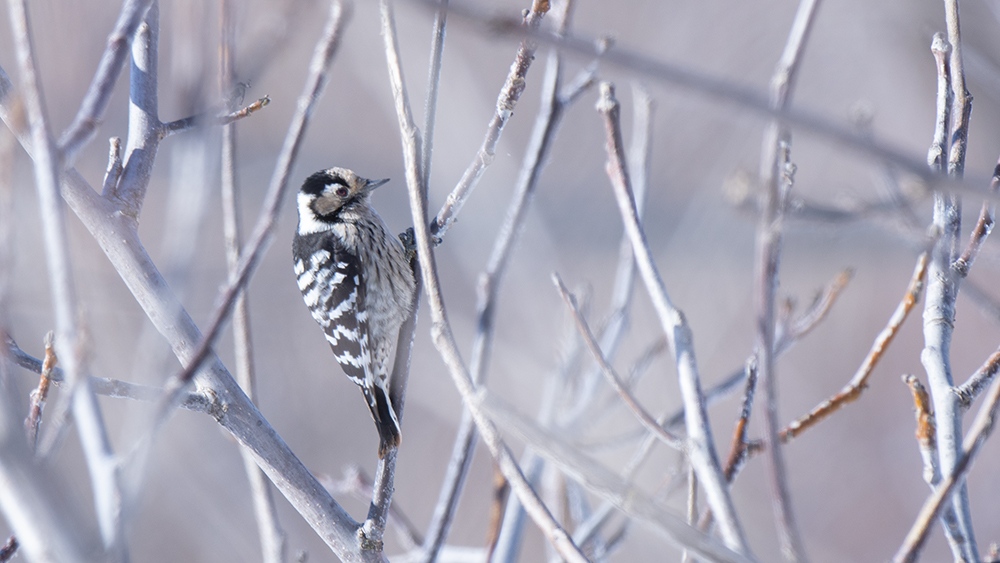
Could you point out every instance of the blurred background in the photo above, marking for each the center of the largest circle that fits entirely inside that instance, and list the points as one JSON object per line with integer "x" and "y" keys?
{"x": 855, "y": 479}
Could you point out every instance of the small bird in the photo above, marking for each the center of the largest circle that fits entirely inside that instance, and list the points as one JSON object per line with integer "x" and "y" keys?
{"x": 356, "y": 280}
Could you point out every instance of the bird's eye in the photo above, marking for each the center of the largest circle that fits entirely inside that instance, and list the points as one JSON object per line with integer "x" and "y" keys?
{"x": 341, "y": 191}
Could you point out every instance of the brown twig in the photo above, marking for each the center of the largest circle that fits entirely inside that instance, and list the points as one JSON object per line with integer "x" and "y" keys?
{"x": 209, "y": 119}
{"x": 972, "y": 444}
{"x": 926, "y": 433}
{"x": 38, "y": 396}
{"x": 859, "y": 382}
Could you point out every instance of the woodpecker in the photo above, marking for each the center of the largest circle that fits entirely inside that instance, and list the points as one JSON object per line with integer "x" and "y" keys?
{"x": 356, "y": 280}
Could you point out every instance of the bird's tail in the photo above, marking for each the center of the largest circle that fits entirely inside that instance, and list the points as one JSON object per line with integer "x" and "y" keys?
{"x": 385, "y": 418}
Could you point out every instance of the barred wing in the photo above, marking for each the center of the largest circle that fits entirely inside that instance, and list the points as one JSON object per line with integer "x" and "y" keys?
{"x": 330, "y": 280}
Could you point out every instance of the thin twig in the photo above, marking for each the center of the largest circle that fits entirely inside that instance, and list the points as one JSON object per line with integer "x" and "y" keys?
{"x": 859, "y": 381}
{"x": 506, "y": 101}
{"x": 114, "y": 171}
{"x": 212, "y": 118}
{"x": 8, "y": 550}
{"x": 718, "y": 88}
{"x": 937, "y": 154}
{"x": 978, "y": 433}
{"x": 433, "y": 82}
{"x": 968, "y": 391}
{"x": 612, "y": 376}
{"x": 701, "y": 448}
{"x": 767, "y": 252}
{"x": 101, "y": 463}
{"x": 113, "y": 388}
{"x": 274, "y": 544}
{"x": 926, "y": 433}
{"x": 38, "y": 396}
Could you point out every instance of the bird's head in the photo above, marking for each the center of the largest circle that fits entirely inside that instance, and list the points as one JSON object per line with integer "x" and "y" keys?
{"x": 328, "y": 195}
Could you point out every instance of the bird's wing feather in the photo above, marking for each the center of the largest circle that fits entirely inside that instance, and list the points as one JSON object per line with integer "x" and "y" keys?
{"x": 333, "y": 289}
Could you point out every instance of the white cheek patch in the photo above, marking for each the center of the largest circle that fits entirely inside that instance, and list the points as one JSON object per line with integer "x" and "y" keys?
{"x": 308, "y": 223}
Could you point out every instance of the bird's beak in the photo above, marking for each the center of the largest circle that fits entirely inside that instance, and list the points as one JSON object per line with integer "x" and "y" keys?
{"x": 372, "y": 184}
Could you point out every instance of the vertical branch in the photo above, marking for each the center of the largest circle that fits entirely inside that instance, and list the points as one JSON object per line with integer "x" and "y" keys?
{"x": 433, "y": 82}
{"x": 101, "y": 87}
{"x": 767, "y": 253}
{"x": 441, "y": 333}
{"x": 101, "y": 462}
{"x": 272, "y": 537}
{"x": 942, "y": 289}
{"x": 701, "y": 447}
{"x": 506, "y": 100}
{"x": 543, "y": 134}
{"x": 144, "y": 127}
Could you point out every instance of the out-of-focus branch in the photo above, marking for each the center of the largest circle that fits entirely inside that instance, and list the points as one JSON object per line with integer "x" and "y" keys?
{"x": 701, "y": 448}
{"x": 113, "y": 388}
{"x": 506, "y": 101}
{"x": 720, "y": 89}
{"x": 616, "y": 382}
{"x": 606, "y": 483}
{"x": 942, "y": 287}
{"x": 211, "y": 118}
{"x": 101, "y": 462}
{"x": 273, "y": 542}
{"x": 774, "y": 159}
{"x": 101, "y": 87}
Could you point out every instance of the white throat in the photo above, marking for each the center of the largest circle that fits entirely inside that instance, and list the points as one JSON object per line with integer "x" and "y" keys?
{"x": 308, "y": 223}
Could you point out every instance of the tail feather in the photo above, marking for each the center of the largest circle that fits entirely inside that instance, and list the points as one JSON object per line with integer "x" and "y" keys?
{"x": 385, "y": 419}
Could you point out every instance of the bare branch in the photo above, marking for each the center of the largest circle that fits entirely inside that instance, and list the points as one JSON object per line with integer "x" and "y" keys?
{"x": 93, "y": 436}
{"x": 606, "y": 484}
{"x": 942, "y": 290}
{"x": 211, "y": 118}
{"x": 978, "y": 433}
{"x": 274, "y": 544}
{"x": 98, "y": 95}
{"x": 774, "y": 159}
{"x": 859, "y": 382}
{"x": 701, "y": 448}
{"x": 543, "y": 135}
{"x": 112, "y": 388}
{"x": 506, "y": 101}
{"x": 616, "y": 382}
{"x": 38, "y": 396}
{"x": 441, "y": 330}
